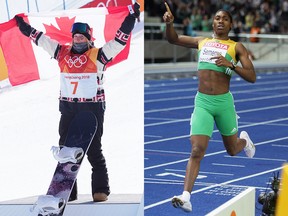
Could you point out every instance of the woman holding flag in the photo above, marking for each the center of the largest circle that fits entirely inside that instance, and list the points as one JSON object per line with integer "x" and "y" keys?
{"x": 86, "y": 94}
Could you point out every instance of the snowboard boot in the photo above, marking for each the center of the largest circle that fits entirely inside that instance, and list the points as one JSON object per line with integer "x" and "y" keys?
{"x": 100, "y": 197}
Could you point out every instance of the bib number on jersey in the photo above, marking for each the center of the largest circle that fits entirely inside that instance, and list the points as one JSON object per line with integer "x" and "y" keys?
{"x": 82, "y": 85}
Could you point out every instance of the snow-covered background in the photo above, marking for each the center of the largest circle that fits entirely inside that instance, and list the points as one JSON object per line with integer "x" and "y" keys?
{"x": 29, "y": 120}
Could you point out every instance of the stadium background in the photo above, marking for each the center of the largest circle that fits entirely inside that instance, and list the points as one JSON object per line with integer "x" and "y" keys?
{"x": 262, "y": 27}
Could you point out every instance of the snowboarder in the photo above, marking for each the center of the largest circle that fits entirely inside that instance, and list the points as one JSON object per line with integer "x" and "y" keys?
{"x": 82, "y": 59}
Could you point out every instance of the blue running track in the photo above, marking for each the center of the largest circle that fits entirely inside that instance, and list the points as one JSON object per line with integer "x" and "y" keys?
{"x": 263, "y": 111}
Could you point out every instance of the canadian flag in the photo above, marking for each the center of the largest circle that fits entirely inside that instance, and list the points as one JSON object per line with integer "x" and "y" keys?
{"x": 21, "y": 61}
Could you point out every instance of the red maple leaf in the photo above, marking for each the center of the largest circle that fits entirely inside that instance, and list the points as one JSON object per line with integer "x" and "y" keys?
{"x": 62, "y": 33}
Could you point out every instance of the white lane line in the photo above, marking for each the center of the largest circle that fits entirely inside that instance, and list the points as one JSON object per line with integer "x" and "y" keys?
{"x": 194, "y": 81}
{"x": 214, "y": 153}
{"x": 212, "y": 173}
{"x": 168, "y": 181}
{"x": 282, "y": 146}
{"x": 191, "y": 97}
{"x": 263, "y": 89}
{"x": 229, "y": 165}
{"x": 242, "y": 126}
{"x": 172, "y": 152}
{"x": 192, "y": 106}
{"x": 256, "y": 158}
{"x": 215, "y": 185}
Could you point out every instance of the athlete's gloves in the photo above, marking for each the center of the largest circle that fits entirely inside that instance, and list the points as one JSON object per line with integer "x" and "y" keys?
{"x": 127, "y": 26}
{"x": 134, "y": 10}
{"x": 27, "y": 30}
{"x": 24, "y": 27}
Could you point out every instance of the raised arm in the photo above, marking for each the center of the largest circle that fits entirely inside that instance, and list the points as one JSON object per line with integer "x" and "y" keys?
{"x": 51, "y": 46}
{"x": 115, "y": 46}
{"x": 173, "y": 37}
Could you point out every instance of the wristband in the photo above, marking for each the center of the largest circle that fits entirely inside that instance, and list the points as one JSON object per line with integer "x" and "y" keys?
{"x": 233, "y": 66}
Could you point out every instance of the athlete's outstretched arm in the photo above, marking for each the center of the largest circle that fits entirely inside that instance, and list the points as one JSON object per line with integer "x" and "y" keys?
{"x": 40, "y": 39}
{"x": 115, "y": 46}
{"x": 173, "y": 37}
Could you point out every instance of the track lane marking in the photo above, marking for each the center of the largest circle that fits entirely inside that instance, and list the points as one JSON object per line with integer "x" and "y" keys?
{"x": 215, "y": 185}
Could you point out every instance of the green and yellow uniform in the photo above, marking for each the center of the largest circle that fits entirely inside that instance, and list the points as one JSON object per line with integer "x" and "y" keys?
{"x": 214, "y": 108}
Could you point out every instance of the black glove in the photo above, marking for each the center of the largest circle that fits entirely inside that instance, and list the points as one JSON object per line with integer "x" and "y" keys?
{"x": 24, "y": 27}
{"x": 135, "y": 10}
{"x": 128, "y": 24}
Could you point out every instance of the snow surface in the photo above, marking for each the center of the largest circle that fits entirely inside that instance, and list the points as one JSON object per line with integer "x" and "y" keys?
{"x": 29, "y": 120}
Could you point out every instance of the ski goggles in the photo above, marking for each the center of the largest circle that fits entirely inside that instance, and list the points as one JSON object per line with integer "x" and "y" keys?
{"x": 80, "y": 28}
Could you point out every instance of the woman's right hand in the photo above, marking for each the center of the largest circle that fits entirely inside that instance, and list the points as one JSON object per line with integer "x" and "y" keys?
{"x": 24, "y": 27}
{"x": 168, "y": 16}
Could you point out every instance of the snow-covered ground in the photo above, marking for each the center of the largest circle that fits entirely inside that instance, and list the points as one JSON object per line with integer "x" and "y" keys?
{"x": 29, "y": 119}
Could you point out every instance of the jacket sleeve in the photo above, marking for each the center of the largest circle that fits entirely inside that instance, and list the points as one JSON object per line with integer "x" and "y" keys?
{"x": 115, "y": 46}
{"x": 49, "y": 45}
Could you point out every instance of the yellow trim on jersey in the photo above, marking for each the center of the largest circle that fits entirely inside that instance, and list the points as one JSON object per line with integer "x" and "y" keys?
{"x": 210, "y": 47}
{"x": 77, "y": 63}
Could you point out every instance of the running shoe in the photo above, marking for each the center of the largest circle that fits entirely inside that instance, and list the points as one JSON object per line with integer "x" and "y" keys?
{"x": 179, "y": 202}
{"x": 250, "y": 147}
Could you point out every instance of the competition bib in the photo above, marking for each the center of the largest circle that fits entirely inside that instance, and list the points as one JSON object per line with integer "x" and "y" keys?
{"x": 78, "y": 85}
{"x": 211, "y": 49}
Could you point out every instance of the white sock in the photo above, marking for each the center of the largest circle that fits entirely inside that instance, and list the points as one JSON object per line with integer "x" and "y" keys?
{"x": 186, "y": 195}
